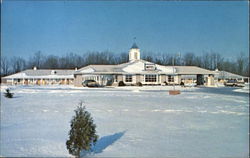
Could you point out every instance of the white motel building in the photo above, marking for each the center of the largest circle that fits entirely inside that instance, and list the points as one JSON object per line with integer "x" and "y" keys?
{"x": 131, "y": 73}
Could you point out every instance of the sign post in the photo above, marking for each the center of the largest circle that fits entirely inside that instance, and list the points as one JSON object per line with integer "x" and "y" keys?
{"x": 174, "y": 92}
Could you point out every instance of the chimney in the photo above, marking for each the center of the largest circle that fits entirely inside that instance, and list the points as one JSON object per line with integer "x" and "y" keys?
{"x": 76, "y": 69}
{"x": 34, "y": 68}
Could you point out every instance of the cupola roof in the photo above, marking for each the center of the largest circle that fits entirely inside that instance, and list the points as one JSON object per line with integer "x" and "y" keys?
{"x": 134, "y": 46}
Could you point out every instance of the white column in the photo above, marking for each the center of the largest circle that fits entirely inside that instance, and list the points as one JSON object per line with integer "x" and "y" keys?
{"x": 210, "y": 81}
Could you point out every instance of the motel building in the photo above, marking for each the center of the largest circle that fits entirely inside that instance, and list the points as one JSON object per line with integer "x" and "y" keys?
{"x": 40, "y": 77}
{"x": 131, "y": 73}
{"x": 147, "y": 73}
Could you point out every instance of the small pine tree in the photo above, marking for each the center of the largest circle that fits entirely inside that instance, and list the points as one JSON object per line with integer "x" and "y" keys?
{"x": 121, "y": 83}
{"x": 82, "y": 135}
{"x": 8, "y": 94}
{"x": 139, "y": 84}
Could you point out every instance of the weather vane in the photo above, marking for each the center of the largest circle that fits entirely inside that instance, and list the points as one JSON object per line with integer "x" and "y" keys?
{"x": 134, "y": 39}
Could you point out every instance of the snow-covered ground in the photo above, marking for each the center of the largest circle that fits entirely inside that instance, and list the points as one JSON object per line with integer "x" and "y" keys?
{"x": 131, "y": 121}
{"x": 245, "y": 89}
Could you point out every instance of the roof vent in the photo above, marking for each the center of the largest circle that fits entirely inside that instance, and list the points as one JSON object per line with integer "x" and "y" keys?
{"x": 34, "y": 68}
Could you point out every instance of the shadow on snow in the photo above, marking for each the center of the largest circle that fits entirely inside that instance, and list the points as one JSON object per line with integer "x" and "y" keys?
{"x": 104, "y": 142}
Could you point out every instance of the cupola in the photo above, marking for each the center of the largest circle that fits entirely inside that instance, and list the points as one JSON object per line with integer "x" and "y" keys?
{"x": 134, "y": 53}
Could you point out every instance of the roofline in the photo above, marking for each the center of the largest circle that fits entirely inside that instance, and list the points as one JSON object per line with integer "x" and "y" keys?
{"x": 40, "y": 77}
{"x": 47, "y": 69}
{"x": 141, "y": 73}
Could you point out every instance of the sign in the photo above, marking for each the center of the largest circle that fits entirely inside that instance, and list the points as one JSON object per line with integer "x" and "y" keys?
{"x": 149, "y": 67}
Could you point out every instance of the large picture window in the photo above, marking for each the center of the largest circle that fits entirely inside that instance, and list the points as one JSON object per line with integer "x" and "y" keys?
{"x": 150, "y": 78}
{"x": 128, "y": 78}
{"x": 170, "y": 78}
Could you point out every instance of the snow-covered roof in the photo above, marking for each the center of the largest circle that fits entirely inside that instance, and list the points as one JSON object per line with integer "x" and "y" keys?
{"x": 134, "y": 67}
{"x": 43, "y": 73}
{"x": 131, "y": 67}
{"x": 192, "y": 70}
{"x": 225, "y": 74}
{"x": 138, "y": 67}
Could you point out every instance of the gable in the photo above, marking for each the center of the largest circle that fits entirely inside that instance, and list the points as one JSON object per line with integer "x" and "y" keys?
{"x": 87, "y": 70}
{"x": 142, "y": 66}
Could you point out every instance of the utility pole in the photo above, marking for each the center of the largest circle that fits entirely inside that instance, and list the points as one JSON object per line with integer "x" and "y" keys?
{"x": 173, "y": 71}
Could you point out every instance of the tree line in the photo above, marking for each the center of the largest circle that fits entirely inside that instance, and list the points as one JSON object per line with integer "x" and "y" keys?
{"x": 207, "y": 60}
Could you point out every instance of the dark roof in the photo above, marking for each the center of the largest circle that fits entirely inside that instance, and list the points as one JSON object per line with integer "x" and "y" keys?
{"x": 134, "y": 46}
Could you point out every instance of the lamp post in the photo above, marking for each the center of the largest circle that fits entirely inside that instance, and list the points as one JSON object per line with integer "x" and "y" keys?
{"x": 173, "y": 60}
{"x": 173, "y": 72}
{"x": 174, "y": 92}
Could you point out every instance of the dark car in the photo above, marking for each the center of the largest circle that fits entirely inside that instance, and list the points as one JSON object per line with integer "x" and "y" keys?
{"x": 90, "y": 83}
{"x": 231, "y": 83}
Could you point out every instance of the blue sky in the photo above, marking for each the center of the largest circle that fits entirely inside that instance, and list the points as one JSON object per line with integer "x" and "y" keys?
{"x": 60, "y": 27}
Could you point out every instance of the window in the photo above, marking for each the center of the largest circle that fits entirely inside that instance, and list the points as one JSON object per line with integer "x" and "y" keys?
{"x": 128, "y": 78}
{"x": 135, "y": 55}
{"x": 170, "y": 78}
{"x": 150, "y": 78}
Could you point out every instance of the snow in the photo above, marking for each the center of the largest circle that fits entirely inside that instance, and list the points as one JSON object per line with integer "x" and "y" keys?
{"x": 245, "y": 89}
{"x": 131, "y": 121}
{"x": 88, "y": 70}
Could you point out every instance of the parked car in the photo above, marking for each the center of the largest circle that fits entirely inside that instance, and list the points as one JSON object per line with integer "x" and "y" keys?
{"x": 234, "y": 82}
{"x": 90, "y": 83}
{"x": 240, "y": 84}
{"x": 230, "y": 83}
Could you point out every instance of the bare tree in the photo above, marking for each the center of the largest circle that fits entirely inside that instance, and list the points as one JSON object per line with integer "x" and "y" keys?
{"x": 240, "y": 63}
{"x": 18, "y": 64}
{"x": 189, "y": 59}
{"x": 208, "y": 60}
{"x": 246, "y": 67}
{"x": 166, "y": 59}
{"x": 51, "y": 62}
{"x": 38, "y": 58}
{"x": 198, "y": 61}
{"x": 124, "y": 57}
{"x": 219, "y": 61}
{"x": 4, "y": 66}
